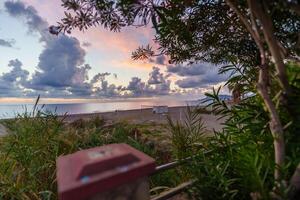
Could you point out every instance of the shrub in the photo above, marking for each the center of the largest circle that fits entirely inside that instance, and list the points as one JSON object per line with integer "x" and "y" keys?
{"x": 28, "y": 155}
{"x": 240, "y": 163}
{"x": 188, "y": 134}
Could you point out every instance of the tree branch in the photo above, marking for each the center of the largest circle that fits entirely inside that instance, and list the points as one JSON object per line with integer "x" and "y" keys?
{"x": 246, "y": 23}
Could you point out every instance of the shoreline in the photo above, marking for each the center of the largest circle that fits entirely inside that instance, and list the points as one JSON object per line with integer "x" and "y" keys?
{"x": 117, "y": 111}
{"x": 145, "y": 115}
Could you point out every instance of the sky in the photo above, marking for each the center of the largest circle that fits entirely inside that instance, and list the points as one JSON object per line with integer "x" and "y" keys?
{"x": 95, "y": 64}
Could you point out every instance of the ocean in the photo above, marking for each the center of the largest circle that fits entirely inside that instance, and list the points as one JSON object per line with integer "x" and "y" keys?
{"x": 10, "y": 110}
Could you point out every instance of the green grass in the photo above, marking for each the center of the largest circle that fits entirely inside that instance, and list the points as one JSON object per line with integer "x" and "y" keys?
{"x": 28, "y": 154}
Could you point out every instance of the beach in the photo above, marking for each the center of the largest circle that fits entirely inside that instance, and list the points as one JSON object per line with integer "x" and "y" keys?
{"x": 3, "y": 130}
{"x": 146, "y": 116}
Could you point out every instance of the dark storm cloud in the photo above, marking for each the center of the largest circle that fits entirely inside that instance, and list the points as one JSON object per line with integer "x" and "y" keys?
{"x": 7, "y": 43}
{"x": 12, "y": 82}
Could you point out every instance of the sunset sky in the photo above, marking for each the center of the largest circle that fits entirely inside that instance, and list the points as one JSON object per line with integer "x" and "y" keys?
{"x": 86, "y": 65}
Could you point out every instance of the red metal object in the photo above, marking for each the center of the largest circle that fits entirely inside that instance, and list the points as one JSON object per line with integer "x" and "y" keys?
{"x": 86, "y": 173}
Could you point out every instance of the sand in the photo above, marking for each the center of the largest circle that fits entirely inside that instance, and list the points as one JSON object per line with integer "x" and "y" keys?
{"x": 143, "y": 116}
{"x": 3, "y": 130}
{"x": 146, "y": 116}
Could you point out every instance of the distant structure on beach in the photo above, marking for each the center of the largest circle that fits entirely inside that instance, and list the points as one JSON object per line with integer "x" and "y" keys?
{"x": 160, "y": 109}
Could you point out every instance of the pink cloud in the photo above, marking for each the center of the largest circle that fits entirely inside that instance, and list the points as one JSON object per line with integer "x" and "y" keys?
{"x": 126, "y": 41}
{"x": 118, "y": 45}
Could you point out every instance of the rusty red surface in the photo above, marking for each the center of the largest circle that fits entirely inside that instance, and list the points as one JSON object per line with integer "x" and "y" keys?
{"x": 88, "y": 172}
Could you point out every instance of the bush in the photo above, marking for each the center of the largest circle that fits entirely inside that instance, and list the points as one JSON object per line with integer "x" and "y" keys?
{"x": 28, "y": 155}
{"x": 187, "y": 135}
{"x": 240, "y": 163}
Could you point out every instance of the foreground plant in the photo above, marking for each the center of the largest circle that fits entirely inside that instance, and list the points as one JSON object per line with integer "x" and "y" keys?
{"x": 28, "y": 154}
{"x": 260, "y": 35}
{"x": 188, "y": 134}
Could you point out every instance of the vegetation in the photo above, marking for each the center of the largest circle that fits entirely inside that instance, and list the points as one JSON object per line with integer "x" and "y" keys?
{"x": 237, "y": 162}
{"x": 255, "y": 156}
{"x": 28, "y": 154}
{"x": 188, "y": 135}
{"x": 254, "y": 38}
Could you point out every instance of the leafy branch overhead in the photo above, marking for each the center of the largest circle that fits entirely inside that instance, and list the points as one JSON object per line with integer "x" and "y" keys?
{"x": 142, "y": 53}
{"x": 199, "y": 30}
{"x": 113, "y": 15}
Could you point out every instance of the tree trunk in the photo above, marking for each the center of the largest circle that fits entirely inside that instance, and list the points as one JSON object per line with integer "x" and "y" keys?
{"x": 275, "y": 123}
{"x": 262, "y": 86}
{"x": 275, "y": 49}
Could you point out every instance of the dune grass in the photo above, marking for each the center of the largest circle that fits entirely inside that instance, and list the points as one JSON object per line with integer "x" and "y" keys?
{"x": 28, "y": 154}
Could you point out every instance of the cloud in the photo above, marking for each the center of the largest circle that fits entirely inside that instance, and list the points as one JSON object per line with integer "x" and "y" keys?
{"x": 160, "y": 60}
{"x": 201, "y": 81}
{"x": 17, "y": 74}
{"x": 63, "y": 72}
{"x": 190, "y": 70}
{"x": 86, "y": 44}
{"x": 59, "y": 64}
{"x": 157, "y": 84}
{"x": 155, "y": 77}
{"x": 136, "y": 86}
{"x": 12, "y": 83}
{"x": 61, "y": 68}
{"x": 100, "y": 77}
{"x": 197, "y": 82}
{"x": 7, "y": 43}
{"x": 197, "y": 75}
{"x": 102, "y": 88}
{"x": 28, "y": 13}
{"x": 160, "y": 82}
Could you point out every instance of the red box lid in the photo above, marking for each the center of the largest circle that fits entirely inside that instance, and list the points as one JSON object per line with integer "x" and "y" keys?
{"x": 88, "y": 172}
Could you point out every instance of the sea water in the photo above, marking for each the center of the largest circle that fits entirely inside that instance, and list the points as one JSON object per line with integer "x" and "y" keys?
{"x": 10, "y": 110}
